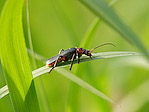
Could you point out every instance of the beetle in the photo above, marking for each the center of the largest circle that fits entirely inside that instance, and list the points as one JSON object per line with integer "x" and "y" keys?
{"x": 70, "y": 54}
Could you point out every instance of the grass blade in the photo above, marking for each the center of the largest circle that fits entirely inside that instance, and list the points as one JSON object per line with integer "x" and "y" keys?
{"x": 135, "y": 99}
{"x": 42, "y": 70}
{"x": 84, "y": 84}
{"x": 41, "y": 95}
{"x": 96, "y": 56}
{"x": 1, "y": 5}
{"x": 15, "y": 60}
{"x": 87, "y": 39}
{"x": 4, "y": 91}
{"x": 102, "y": 9}
{"x": 73, "y": 103}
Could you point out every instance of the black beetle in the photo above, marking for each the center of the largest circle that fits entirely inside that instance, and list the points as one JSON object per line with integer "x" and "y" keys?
{"x": 70, "y": 54}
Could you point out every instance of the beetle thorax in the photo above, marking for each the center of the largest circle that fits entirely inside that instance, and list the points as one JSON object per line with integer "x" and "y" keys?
{"x": 80, "y": 50}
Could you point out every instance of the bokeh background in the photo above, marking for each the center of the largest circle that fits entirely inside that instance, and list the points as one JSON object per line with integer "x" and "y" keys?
{"x": 62, "y": 24}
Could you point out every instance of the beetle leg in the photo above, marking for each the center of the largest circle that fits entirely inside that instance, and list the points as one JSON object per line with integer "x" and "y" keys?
{"x": 61, "y": 51}
{"x": 73, "y": 57}
{"x": 79, "y": 57}
{"x": 77, "y": 54}
{"x": 90, "y": 57}
{"x": 54, "y": 65}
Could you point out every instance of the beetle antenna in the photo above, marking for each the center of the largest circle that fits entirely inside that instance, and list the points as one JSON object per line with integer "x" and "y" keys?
{"x": 103, "y": 45}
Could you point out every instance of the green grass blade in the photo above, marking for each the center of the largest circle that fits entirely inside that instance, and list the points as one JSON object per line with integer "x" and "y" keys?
{"x": 87, "y": 39}
{"x": 85, "y": 43}
{"x": 96, "y": 56}
{"x": 84, "y": 84}
{"x": 41, "y": 95}
{"x": 15, "y": 60}
{"x": 79, "y": 81}
{"x": 102, "y": 9}
{"x": 42, "y": 70}
{"x": 29, "y": 36}
{"x": 4, "y": 91}
{"x": 135, "y": 99}
{"x": 2, "y": 2}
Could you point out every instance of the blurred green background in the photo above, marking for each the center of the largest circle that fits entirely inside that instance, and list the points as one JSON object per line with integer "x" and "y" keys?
{"x": 62, "y": 24}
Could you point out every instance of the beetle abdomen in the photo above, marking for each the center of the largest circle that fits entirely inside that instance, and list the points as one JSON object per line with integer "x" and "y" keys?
{"x": 52, "y": 60}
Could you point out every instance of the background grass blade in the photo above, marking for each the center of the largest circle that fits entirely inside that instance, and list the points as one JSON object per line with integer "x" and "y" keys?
{"x": 89, "y": 33}
{"x": 73, "y": 103}
{"x": 102, "y": 9}
{"x": 41, "y": 95}
{"x": 138, "y": 95}
{"x": 15, "y": 60}
{"x": 2, "y": 2}
{"x": 84, "y": 84}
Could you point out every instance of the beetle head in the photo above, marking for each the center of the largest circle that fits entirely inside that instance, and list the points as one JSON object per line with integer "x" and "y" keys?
{"x": 87, "y": 52}
{"x": 84, "y": 51}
